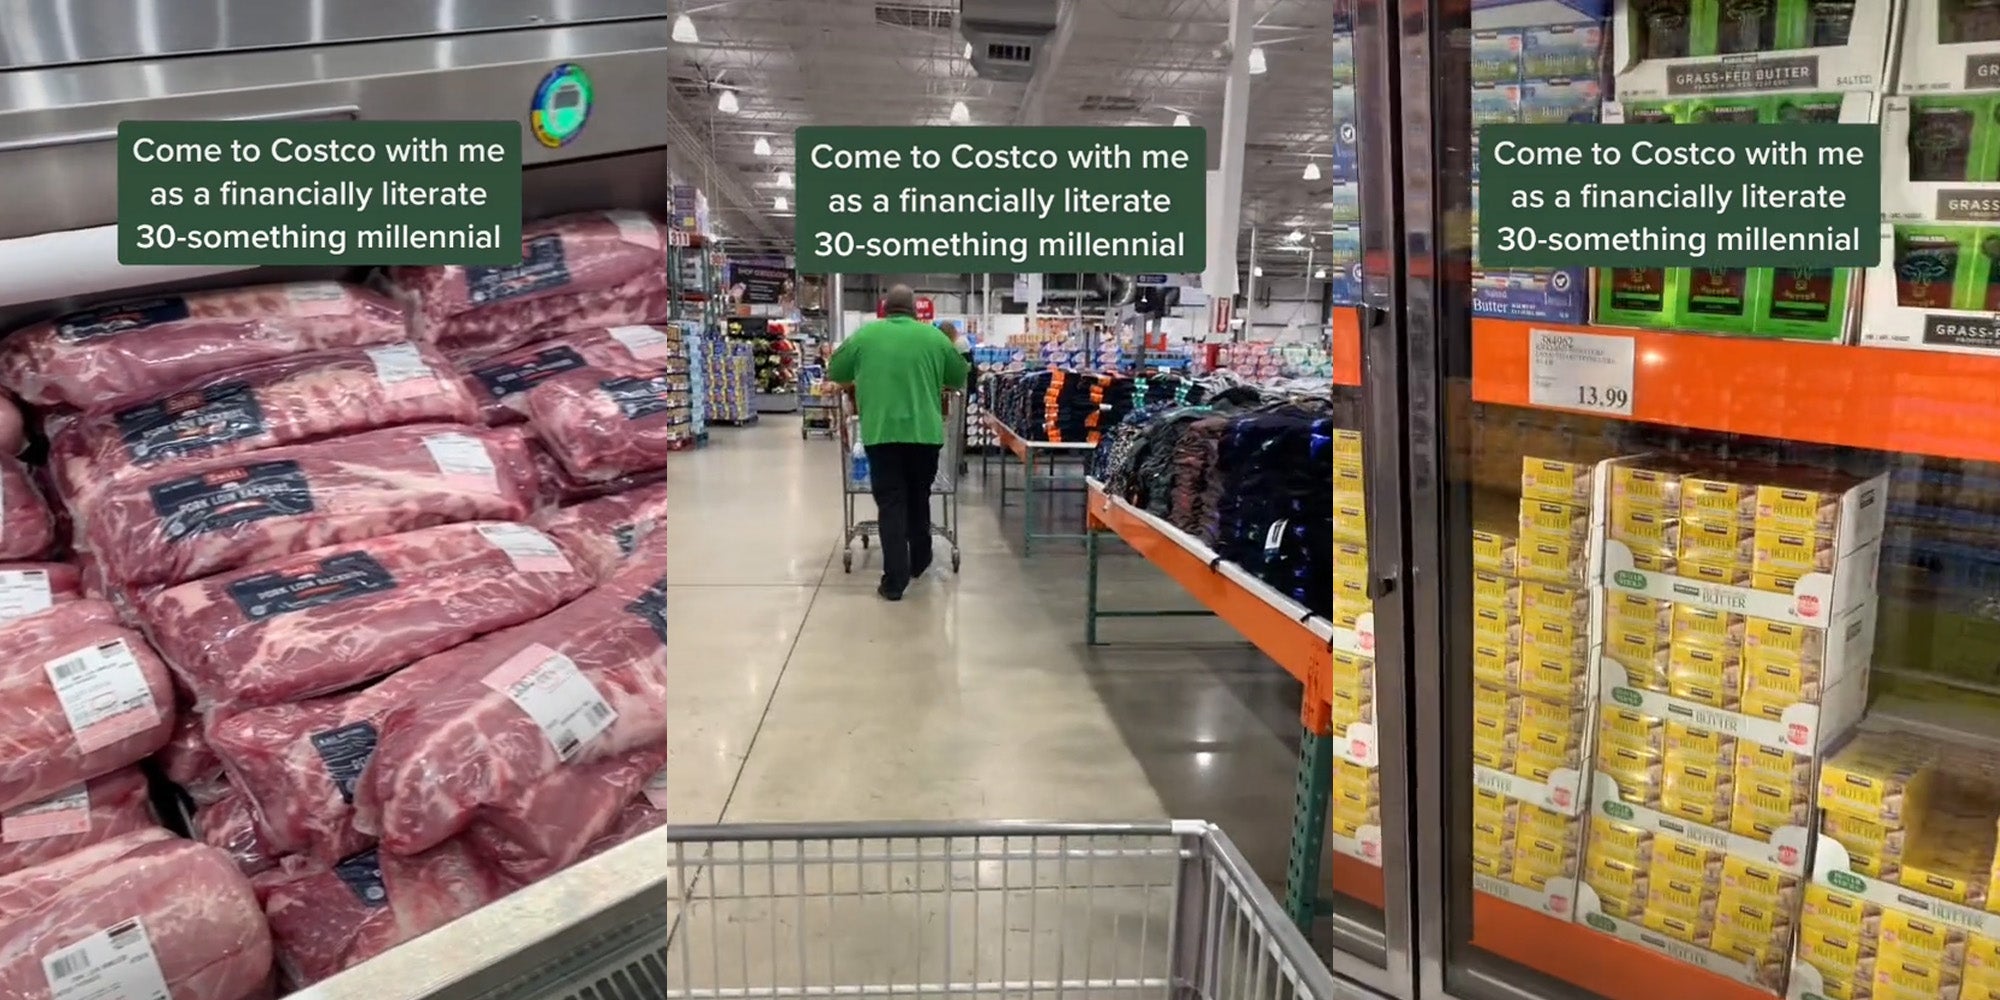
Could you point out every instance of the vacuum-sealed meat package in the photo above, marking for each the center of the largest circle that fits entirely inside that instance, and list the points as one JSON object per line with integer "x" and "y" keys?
{"x": 26, "y": 588}
{"x": 270, "y": 405}
{"x": 90, "y": 813}
{"x": 336, "y": 617}
{"x": 585, "y": 682}
{"x": 601, "y": 534}
{"x": 146, "y": 915}
{"x": 228, "y": 824}
{"x": 582, "y": 271}
{"x": 557, "y": 821}
{"x": 110, "y": 356}
{"x": 603, "y": 425}
{"x": 187, "y": 760}
{"x": 201, "y": 518}
{"x": 80, "y": 696}
{"x": 500, "y": 383}
{"x": 27, "y": 527}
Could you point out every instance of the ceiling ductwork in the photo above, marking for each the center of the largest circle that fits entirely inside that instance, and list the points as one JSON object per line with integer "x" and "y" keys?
{"x": 1007, "y": 36}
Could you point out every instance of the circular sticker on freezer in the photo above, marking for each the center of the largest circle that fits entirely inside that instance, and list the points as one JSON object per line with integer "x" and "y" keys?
{"x": 562, "y": 105}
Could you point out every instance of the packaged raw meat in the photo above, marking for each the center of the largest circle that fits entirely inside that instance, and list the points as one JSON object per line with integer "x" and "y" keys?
{"x": 27, "y": 529}
{"x": 577, "y": 272}
{"x": 228, "y": 825}
{"x": 188, "y": 761}
{"x": 557, "y": 481}
{"x": 80, "y": 696}
{"x": 193, "y": 520}
{"x": 339, "y": 616}
{"x": 583, "y": 683}
{"x": 145, "y": 916}
{"x": 26, "y": 588}
{"x": 107, "y": 357}
{"x": 601, "y": 534}
{"x": 499, "y": 383}
{"x": 90, "y": 813}
{"x": 13, "y": 432}
{"x": 283, "y": 402}
{"x": 296, "y": 765}
{"x": 555, "y": 822}
{"x": 603, "y": 424}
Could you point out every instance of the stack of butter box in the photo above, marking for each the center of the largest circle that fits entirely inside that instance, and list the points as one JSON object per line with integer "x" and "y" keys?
{"x": 1357, "y": 806}
{"x": 1532, "y": 649}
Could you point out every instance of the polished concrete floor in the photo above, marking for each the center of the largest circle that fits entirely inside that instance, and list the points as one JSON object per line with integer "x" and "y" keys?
{"x": 797, "y": 695}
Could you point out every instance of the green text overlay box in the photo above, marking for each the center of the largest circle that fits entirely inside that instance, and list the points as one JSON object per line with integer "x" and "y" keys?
{"x": 948, "y": 199}
{"x": 1708, "y": 195}
{"x": 340, "y": 193}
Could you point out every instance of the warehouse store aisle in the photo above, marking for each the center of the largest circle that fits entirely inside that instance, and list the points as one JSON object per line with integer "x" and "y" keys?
{"x": 795, "y": 694}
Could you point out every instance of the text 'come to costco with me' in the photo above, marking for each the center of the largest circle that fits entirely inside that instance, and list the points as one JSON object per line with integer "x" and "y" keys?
{"x": 880, "y": 200}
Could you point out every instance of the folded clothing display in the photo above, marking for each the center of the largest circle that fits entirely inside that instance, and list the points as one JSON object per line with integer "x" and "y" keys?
{"x": 499, "y": 715}
{"x": 148, "y": 912}
{"x": 606, "y": 424}
{"x": 582, "y": 271}
{"x": 27, "y": 527}
{"x": 500, "y": 383}
{"x": 80, "y": 696}
{"x": 98, "y": 810}
{"x": 108, "y": 357}
{"x": 269, "y": 405}
{"x": 335, "y": 617}
{"x": 1276, "y": 514}
{"x": 601, "y": 534}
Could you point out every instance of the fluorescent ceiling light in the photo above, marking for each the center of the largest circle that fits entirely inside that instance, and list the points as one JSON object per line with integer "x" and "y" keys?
{"x": 959, "y": 114}
{"x": 784, "y": 178}
{"x": 1180, "y": 119}
{"x": 782, "y": 204}
{"x": 1257, "y": 60}
{"x": 727, "y": 102}
{"x": 1294, "y": 236}
{"x": 1320, "y": 274}
{"x": 1312, "y": 172}
{"x": 968, "y": 50}
{"x": 763, "y": 146}
{"x": 1257, "y": 272}
{"x": 684, "y": 30}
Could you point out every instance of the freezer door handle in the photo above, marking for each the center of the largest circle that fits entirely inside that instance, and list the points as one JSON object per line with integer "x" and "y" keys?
{"x": 351, "y": 112}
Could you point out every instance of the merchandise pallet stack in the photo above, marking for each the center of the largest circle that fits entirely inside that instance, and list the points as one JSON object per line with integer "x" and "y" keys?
{"x": 1356, "y": 813}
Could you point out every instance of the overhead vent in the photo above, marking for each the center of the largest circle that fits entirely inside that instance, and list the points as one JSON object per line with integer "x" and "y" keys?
{"x": 1007, "y": 36}
{"x": 1108, "y": 102}
{"x": 909, "y": 15}
{"x": 690, "y": 87}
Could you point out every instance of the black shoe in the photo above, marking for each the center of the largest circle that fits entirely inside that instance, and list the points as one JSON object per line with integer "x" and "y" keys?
{"x": 887, "y": 594}
{"x": 917, "y": 569}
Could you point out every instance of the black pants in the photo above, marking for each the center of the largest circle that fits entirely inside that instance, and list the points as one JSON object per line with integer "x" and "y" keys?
{"x": 900, "y": 476}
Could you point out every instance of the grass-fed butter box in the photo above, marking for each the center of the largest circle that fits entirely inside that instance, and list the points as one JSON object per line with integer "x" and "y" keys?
{"x": 1702, "y": 47}
{"x": 1948, "y": 45}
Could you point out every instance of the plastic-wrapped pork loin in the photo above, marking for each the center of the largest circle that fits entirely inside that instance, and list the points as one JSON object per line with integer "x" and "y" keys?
{"x": 602, "y": 533}
{"x": 175, "y": 917}
{"x": 228, "y": 824}
{"x": 506, "y": 712}
{"x": 113, "y": 355}
{"x": 582, "y": 271}
{"x": 97, "y": 810}
{"x": 80, "y": 696}
{"x": 339, "y": 616}
{"x": 605, "y": 424}
{"x": 187, "y": 521}
{"x": 560, "y": 819}
{"x": 499, "y": 384}
{"x": 27, "y": 528}
{"x": 27, "y": 588}
{"x": 270, "y": 405}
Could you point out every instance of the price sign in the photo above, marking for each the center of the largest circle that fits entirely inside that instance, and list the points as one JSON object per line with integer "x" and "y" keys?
{"x": 1580, "y": 371}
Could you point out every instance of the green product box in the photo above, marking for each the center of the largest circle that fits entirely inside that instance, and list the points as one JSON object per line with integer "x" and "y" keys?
{"x": 1813, "y": 24}
{"x": 1655, "y": 112}
{"x": 1802, "y": 303}
{"x": 1638, "y": 296}
{"x": 1954, "y": 137}
{"x": 1731, "y": 111}
{"x": 1671, "y": 29}
{"x": 1934, "y": 266}
{"x": 1718, "y": 299}
{"x": 1793, "y": 109}
{"x": 1743, "y": 27}
{"x": 1985, "y": 279}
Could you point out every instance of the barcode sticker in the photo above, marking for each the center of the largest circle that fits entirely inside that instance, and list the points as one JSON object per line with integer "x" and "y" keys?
{"x": 635, "y": 227}
{"x": 104, "y": 693}
{"x": 548, "y": 686}
{"x": 63, "y": 815}
{"x": 113, "y": 964}
{"x": 656, "y": 789}
{"x": 646, "y": 343}
{"x": 532, "y": 551}
{"x": 402, "y": 371}
{"x": 465, "y": 462}
{"x": 24, "y": 592}
{"x": 316, "y": 298}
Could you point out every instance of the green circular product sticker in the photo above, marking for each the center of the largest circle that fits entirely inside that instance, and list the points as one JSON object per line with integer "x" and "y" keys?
{"x": 562, "y": 105}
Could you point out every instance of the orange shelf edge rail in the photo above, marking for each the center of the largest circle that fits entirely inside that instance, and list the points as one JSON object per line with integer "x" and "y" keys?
{"x": 1604, "y": 965}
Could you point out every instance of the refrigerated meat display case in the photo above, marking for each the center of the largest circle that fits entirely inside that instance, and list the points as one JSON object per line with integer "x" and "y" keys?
{"x": 69, "y": 73}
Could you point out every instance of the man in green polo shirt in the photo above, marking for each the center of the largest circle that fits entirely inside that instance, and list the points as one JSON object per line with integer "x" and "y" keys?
{"x": 899, "y": 368}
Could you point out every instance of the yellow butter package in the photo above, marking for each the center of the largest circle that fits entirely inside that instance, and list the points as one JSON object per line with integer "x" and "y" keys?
{"x": 1637, "y": 611}
{"x": 1873, "y": 849}
{"x": 1951, "y": 857}
{"x": 1778, "y": 682}
{"x": 1544, "y": 824}
{"x": 1815, "y": 511}
{"x": 1707, "y": 628}
{"x": 1557, "y": 635}
{"x": 1706, "y": 497}
{"x": 1882, "y": 777}
{"x": 1492, "y": 744}
{"x": 1557, "y": 674}
{"x": 1982, "y": 964}
{"x": 1642, "y": 652}
{"x": 1706, "y": 676}
{"x": 1496, "y": 662}
{"x": 1687, "y": 860}
{"x": 1492, "y": 551}
{"x": 1549, "y": 727}
{"x": 1350, "y": 564}
{"x": 1665, "y": 563}
{"x": 1535, "y": 764}
{"x": 1492, "y": 702}
{"x": 1561, "y": 480}
{"x": 1687, "y": 928}
{"x": 1775, "y": 765}
{"x": 1630, "y": 726}
{"x": 1555, "y": 602}
{"x": 1716, "y": 542}
{"x": 1800, "y": 643}
{"x": 1921, "y": 940}
{"x": 1495, "y": 808}
{"x": 1353, "y": 672}
{"x": 1553, "y": 519}
{"x": 1643, "y": 530}
{"x": 1902, "y": 979}
{"x": 1349, "y": 708}
{"x": 1492, "y": 590}
{"x": 1348, "y": 824}
{"x": 1747, "y": 929}
{"x": 1763, "y": 704}
{"x": 1347, "y": 446}
{"x": 1651, "y": 487}
{"x": 1791, "y": 553}
{"x": 1761, "y": 808}
{"x": 1537, "y": 860}
{"x": 1775, "y": 582}
{"x": 1692, "y": 744}
{"x": 1490, "y": 854}
{"x": 1615, "y": 879}
{"x": 1350, "y": 524}
{"x": 1760, "y": 884}
{"x": 1349, "y": 487}
{"x": 1636, "y": 772}
{"x": 1630, "y": 844}
{"x": 1842, "y": 961}
{"x": 1727, "y": 574}
{"x": 1695, "y": 792}
{"x": 1552, "y": 558}
{"x": 1836, "y": 912}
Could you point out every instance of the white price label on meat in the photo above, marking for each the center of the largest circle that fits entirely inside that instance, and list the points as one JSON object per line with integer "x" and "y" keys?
{"x": 63, "y": 815}
{"x": 645, "y": 342}
{"x": 402, "y": 370}
{"x": 315, "y": 298}
{"x": 104, "y": 693}
{"x": 113, "y": 964}
{"x": 24, "y": 592}
{"x": 1580, "y": 371}
{"x": 532, "y": 551}
{"x": 656, "y": 789}
{"x": 548, "y": 686}
{"x": 635, "y": 227}
{"x": 464, "y": 461}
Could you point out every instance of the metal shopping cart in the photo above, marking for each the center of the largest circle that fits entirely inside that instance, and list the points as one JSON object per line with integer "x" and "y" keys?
{"x": 818, "y": 410}
{"x": 980, "y": 910}
{"x": 944, "y": 521}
